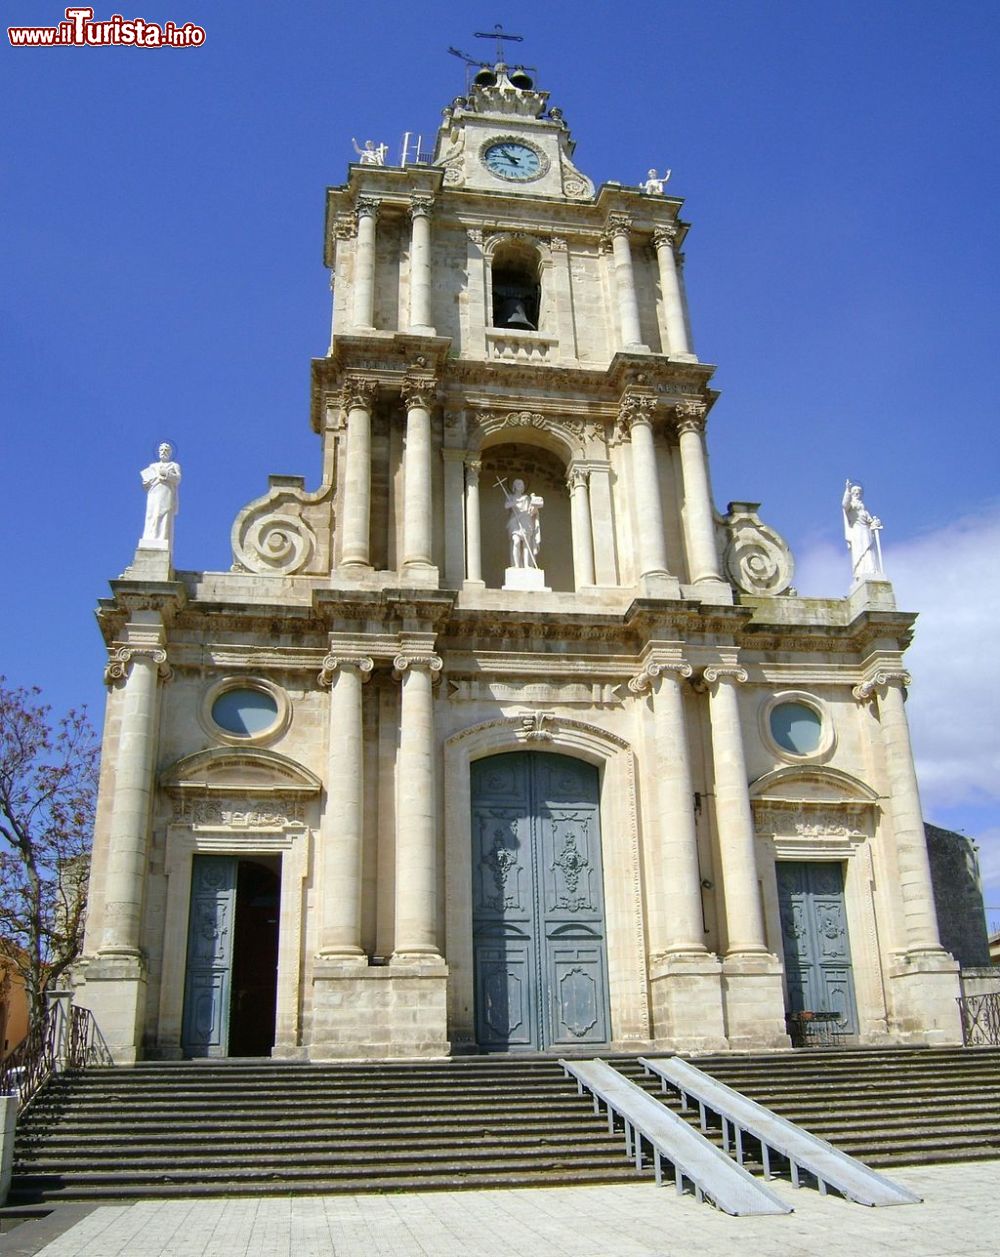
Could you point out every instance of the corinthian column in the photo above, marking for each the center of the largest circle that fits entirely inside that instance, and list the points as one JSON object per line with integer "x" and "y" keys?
{"x": 139, "y": 667}
{"x": 699, "y": 521}
{"x": 420, "y": 265}
{"x": 618, "y": 231}
{"x": 342, "y": 831}
{"x": 913, "y": 865}
{"x": 744, "y": 916}
{"x": 636, "y": 417}
{"x": 364, "y": 264}
{"x": 416, "y": 812}
{"x": 583, "y": 538}
{"x": 358, "y": 400}
{"x": 677, "y": 925}
{"x": 417, "y": 474}
{"x": 677, "y": 345}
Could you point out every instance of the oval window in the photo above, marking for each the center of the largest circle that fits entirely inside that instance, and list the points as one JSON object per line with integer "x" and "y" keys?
{"x": 796, "y": 728}
{"x": 245, "y": 712}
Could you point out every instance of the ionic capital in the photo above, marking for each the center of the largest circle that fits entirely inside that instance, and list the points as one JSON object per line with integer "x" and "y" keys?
{"x": 725, "y": 672}
{"x": 665, "y": 236}
{"x": 363, "y": 663}
{"x": 433, "y": 663}
{"x": 421, "y": 205}
{"x": 367, "y": 207}
{"x": 121, "y": 659}
{"x": 645, "y": 679}
{"x": 881, "y": 680}
{"x": 358, "y": 393}
{"x": 690, "y": 416}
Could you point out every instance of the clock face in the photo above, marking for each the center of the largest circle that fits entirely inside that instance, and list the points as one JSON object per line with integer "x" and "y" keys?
{"x": 511, "y": 160}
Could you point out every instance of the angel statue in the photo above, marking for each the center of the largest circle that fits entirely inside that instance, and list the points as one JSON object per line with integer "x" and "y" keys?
{"x": 654, "y": 185}
{"x": 372, "y": 154}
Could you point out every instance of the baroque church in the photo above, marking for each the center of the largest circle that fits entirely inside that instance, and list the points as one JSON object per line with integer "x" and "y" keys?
{"x": 504, "y": 738}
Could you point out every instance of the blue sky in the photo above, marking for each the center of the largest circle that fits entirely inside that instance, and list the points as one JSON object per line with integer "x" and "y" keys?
{"x": 163, "y": 279}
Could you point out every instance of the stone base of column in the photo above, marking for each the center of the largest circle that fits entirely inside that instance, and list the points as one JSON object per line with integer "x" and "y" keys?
{"x": 659, "y": 585}
{"x": 151, "y": 562}
{"x": 682, "y": 357}
{"x": 715, "y": 592}
{"x": 420, "y": 575}
{"x": 753, "y": 998}
{"x": 113, "y": 988}
{"x": 351, "y": 575}
{"x": 923, "y": 988}
{"x": 377, "y": 1011}
{"x": 686, "y": 997}
{"x": 473, "y": 586}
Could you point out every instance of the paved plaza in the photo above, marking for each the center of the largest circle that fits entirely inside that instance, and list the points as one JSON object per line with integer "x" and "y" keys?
{"x": 960, "y": 1215}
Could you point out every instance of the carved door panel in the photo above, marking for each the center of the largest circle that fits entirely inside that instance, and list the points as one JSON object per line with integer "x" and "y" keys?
{"x": 538, "y": 911}
{"x": 817, "y": 948}
{"x": 211, "y": 927}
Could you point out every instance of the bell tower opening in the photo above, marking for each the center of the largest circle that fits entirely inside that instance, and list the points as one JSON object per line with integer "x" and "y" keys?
{"x": 516, "y": 287}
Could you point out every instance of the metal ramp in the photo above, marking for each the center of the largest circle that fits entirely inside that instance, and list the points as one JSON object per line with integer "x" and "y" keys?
{"x": 742, "y": 1116}
{"x": 710, "y": 1172}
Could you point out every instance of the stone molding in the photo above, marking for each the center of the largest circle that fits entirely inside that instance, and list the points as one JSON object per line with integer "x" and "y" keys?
{"x": 120, "y": 661}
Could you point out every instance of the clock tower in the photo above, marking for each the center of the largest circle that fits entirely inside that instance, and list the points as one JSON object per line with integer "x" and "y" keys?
{"x": 519, "y": 741}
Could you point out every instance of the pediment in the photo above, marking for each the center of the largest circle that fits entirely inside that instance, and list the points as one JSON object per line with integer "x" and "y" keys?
{"x": 818, "y": 785}
{"x": 230, "y": 770}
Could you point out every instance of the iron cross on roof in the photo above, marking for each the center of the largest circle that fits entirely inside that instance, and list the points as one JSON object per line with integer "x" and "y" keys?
{"x": 498, "y": 34}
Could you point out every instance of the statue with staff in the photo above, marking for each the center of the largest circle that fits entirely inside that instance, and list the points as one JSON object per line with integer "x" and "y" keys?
{"x": 524, "y": 527}
{"x": 861, "y": 531}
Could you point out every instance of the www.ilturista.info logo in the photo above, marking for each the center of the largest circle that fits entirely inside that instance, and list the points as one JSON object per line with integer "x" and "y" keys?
{"x": 79, "y": 30}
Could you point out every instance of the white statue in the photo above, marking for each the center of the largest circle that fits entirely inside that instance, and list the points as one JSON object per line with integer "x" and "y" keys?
{"x": 372, "y": 154}
{"x": 862, "y": 532}
{"x": 160, "y": 480}
{"x": 524, "y": 527}
{"x": 654, "y": 185}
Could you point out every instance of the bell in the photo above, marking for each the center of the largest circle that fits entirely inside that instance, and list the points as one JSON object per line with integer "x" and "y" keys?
{"x": 516, "y": 317}
{"x": 522, "y": 81}
{"x": 485, "y": 78}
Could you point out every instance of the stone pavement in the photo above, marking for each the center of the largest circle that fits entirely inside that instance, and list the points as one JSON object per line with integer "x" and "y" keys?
{"x": 960, "y": 1215}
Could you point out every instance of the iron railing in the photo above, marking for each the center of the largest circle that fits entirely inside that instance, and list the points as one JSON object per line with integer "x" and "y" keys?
{"x": 66, "y": 1038}
{"x": 980, "y": 1019}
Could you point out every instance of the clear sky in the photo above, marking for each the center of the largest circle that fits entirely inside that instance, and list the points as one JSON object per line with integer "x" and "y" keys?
{"x": 163, "y": 279}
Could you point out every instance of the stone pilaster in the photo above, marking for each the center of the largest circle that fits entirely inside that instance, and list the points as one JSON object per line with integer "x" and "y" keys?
{"x": 364, "y": 264}
{"x": 358, "y": 399}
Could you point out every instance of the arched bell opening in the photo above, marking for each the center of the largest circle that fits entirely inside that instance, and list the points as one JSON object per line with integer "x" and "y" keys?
{"x": 544, "y": 474}
{"x": 516, "y": 286}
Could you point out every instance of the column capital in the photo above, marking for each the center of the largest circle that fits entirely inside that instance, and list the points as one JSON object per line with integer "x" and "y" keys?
{"x": 645, "y": 679}
{"x": 617, "y": 224}
{"x": 421, "y": 205}
{"x": 402, "y": 662}
{"x": 690, "y": 416}
{"x": 367, "y": 206}
{"x": 363, "y": 663}
{"x": 577, "y": 477}
{"x": 635, "y": 407}
{"x": 121, "y": 658}
{"x": 358, "y": 391}
{"x": 473, "y": 466}
{"x": 881, "y": 680}
{"x": 665, "y": 236}
{"x": 419, "y": 390}
{"x": 715, "y": 673}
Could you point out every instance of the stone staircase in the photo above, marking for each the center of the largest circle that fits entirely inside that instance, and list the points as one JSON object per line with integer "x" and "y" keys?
{"x": 260, "y": 1127}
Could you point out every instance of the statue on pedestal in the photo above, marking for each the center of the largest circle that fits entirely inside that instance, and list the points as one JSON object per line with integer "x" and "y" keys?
{"x": 861, "y": 529}
{"x": 524, "y": 526}
{"x": 654, "y": 185}
{"x": 160, "y": 480}
{"x": 372, "y": 154}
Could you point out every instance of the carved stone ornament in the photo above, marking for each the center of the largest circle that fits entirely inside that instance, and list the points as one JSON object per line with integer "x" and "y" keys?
{"x": 803, "y": 820}
{"x": 880, "y": 680}
{"x": 236, "y": 813}
{"x": 364, "y": 664}
{"x": 757, "y": 559}
{"x": 644, "y": 679}
{"x": 475, "y": 234}
{"x": 359, "y": 392}
{"x": 577, "y": 477}
{"x": 367, "y": 206}
{"x": 434, "y": 663}
{"x": 691, "y": 416}
{"x": 418, "y": 391}
{"x": 421, "y": 206}
{"x": 345, "y": 228}
{"x": 633, "y": 408}
{"x": 120, "y": 662}
{"x": 276, "y": 543}
{"x": 534, "y": 726}
{"x": 617, "y": 225}
{"x": 665, "y": 235}
{"x": 728, "y": 672}
{"x": 559, "y": 244}
{"x": 473, "y": 467}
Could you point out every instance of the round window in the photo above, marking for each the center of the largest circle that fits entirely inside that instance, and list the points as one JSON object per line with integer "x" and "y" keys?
{"x": 796, "y": 728}
{"x": 245, "y": 712}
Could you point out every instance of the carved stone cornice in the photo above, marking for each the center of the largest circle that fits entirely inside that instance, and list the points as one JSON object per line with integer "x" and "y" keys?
{"x": 644, "y": 679}
{"x": 881, "y": 680}
{"x": 421, "y": 205}
{"x": 665, "y": 235}
{"x": 364, "y": 664}
{"x": 433, "y": 663}
{"x": 367, "y": 206}
{"x": 357, "y": 391}
{"x": 690, "y": 416}
{"x": 121, "y": 658}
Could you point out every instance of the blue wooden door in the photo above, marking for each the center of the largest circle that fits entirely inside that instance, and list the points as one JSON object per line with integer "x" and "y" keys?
{"x": 817, "y": 948}
{"x": 538, "y": 908}
{"x": 211, "y": 926}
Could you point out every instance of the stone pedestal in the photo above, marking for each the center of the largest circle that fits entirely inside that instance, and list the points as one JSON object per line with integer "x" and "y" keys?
{"x": 113, "y": 988}
{"x": 923, "y": 990}
{"x": 526, "y": 579}
{"x": 378, "y": 1011}
{"x": 151, "y": 562}
{"x": 754, "y": 999}
{"x": 686, "y": 998}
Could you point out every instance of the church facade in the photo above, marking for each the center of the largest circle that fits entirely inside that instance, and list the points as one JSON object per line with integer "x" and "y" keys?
{"x": 447, "y": 763}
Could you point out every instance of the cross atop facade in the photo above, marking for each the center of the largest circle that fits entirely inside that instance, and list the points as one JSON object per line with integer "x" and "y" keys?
{"x": 497, "y": 33}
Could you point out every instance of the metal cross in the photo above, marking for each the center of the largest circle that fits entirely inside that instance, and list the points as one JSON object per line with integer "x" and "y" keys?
{"x": 497, "y": 33}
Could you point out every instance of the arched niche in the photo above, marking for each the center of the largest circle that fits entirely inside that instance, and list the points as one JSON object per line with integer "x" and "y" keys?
{"x": 543, "y": 473}
{"x": 516, "y": 264}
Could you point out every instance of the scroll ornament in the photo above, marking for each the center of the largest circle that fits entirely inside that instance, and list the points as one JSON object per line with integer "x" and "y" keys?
{"x": 757, "y": 559}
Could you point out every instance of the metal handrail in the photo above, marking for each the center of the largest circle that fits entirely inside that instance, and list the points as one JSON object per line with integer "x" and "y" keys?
{"x": 54, "y": 1043}
{"x": 980, "y": 1019}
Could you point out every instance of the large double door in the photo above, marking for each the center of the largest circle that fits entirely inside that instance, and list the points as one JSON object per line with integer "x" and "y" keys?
{"x": 818, "y": 971}
{"x": 538, "y": 903}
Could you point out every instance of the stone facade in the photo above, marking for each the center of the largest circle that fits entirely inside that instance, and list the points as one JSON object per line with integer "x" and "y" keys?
{"x": 371, "y": 654}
